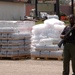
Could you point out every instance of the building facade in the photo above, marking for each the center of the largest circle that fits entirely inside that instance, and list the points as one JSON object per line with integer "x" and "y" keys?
{"x": 12, "y": 10}
{"x": 17, "y": 9}
{"x": 42, "y": 6}
{"x": 47, "y": 6}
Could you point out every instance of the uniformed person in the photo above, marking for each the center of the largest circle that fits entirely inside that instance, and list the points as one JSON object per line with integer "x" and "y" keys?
{"x": 69, "y": 47}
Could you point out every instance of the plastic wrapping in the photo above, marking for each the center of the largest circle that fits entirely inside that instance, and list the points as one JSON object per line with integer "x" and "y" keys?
{"x": 46, "y": 36}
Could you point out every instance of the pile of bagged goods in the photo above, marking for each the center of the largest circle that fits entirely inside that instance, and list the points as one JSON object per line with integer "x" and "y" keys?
{"x": 15, "y": 38}
{"x": 45, "y": 39}
{"x": 24, "y": 38}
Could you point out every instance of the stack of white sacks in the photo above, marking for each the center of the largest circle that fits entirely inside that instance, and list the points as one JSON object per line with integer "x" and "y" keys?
{"x": 45, "y": 39}
{"x": 15, "y": 38}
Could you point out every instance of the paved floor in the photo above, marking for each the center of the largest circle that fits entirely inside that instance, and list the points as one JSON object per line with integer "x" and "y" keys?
{"x": 30, "y": 67}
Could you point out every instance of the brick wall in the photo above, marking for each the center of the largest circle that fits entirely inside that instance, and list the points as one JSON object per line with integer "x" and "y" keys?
{"x": 28, "y": 8}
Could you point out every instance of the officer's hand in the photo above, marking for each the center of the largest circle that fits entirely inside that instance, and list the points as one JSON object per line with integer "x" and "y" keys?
{"x": 74, "y": 26}
{"x": 62, "y": 36}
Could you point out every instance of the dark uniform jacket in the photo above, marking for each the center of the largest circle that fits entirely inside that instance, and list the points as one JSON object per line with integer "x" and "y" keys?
{"x": 71, "y": 36}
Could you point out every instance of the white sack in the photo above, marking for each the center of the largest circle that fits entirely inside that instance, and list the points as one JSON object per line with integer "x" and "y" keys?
{"x": 47, "y": 41}
{"x": 53, "y": 21}
{"x": 58, "y": 53}
{"x": 46, "y": 48}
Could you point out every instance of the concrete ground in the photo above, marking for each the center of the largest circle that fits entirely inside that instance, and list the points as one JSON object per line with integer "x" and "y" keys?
{"x": 31, "y": 67}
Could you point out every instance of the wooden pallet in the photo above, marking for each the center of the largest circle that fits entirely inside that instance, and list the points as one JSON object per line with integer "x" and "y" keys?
{"x": 46, "y": 58}
{"x": 16, "y": 57}
{"x": 21, "y": 57}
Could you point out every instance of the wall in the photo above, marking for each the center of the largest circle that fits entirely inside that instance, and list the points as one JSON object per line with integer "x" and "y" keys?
{"x": 66, "y": 9}
{"x": 28, "y": 8}
{"x": 12, "y": 11}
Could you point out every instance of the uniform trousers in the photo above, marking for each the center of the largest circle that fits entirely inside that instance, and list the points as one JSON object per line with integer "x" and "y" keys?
{"x": 68, "y": 54}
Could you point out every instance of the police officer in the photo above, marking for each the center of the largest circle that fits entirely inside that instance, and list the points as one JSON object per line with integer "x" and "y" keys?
{"x": 69, "y": 47}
